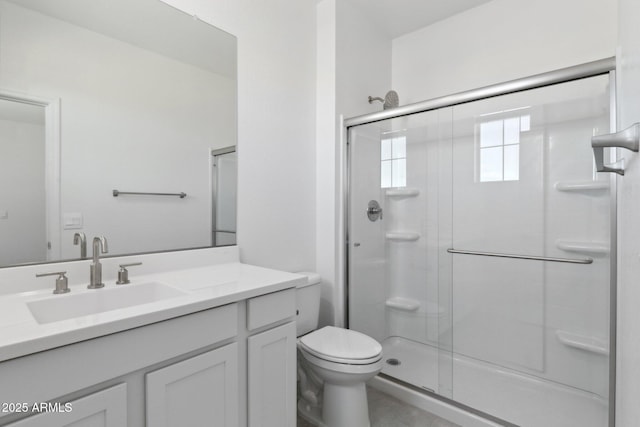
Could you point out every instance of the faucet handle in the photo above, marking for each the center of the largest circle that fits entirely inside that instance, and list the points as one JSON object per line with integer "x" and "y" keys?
{"x": 61, "y": 282}
{"x": 123, "y": 273}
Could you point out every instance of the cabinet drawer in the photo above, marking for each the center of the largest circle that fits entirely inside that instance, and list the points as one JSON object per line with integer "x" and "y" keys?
{"x": 270, "y": 308}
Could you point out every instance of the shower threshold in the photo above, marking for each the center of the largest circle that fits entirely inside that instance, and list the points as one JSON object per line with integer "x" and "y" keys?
{"x": 504, "y": 393}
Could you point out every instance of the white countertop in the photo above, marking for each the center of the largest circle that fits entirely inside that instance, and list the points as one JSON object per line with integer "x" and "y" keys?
{"x": 204, "y": 288}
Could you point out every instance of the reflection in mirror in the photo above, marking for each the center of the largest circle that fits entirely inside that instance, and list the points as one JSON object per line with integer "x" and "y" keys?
{"x": 146, "y": 93}
{"x": 224, "y": 184}
{"x": 22, "y": 183}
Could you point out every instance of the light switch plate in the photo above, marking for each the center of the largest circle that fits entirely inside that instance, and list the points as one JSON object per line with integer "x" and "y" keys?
{"x": 72, "y": 221}
{"x": 4, "y": 214}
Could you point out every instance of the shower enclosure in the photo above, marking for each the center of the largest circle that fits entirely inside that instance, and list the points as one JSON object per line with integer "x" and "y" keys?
{"x": 480, "y": 248}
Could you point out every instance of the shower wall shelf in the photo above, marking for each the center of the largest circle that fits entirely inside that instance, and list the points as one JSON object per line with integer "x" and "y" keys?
{"x": 590, "y": 344}
{"x": 581, "y": 186}
{"x": 402, "y": 236}
{"x": 417, "y": 308}
{"x": 404, "y": 304}
{"x": 402, "y": 192}
{"x": 596, "y": 248}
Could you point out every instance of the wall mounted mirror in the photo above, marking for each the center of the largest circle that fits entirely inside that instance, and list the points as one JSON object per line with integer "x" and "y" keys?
{"x": 104, "y": 95}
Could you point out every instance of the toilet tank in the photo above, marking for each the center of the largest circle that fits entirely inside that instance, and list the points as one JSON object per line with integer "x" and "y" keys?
{"x": 308, "y": 303}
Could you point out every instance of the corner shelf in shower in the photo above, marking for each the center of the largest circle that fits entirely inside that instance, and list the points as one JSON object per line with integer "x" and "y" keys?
{"x": 402, "y": 192}
{"x": 581, "y": 185}
{"x": 590, "y": 344}
{"x": 404, "y": 304}
{"x": 416, "y": 307}
{"x": 586, "y": 247}
{"x": 402, "y": 236}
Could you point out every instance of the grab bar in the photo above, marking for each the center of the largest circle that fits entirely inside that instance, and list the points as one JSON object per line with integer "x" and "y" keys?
{"x": 534, "y": 258}
{"x": 116, "y": 193}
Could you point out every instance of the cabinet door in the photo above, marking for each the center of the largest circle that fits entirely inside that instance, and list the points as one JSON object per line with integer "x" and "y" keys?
{"x": 107, "y": 408}
{"x": 197, "y": 392}
{"x": 272, "y": 377}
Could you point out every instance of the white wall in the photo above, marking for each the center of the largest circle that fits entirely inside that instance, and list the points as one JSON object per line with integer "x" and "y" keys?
{"x": 327, "y": 160}
{"x": 500, "y": 41}
{"x": 276, "y": 119}
{"x": 353, "y": 62}
{"x": 363, "y": 52}
{"x": 22, "y": 232}
{"x": 628, "y": 367}
{"x": 131, "y": 120}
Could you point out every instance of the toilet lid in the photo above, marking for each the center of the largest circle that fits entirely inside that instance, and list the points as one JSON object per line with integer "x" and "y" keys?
{"x": 342, "y": 345}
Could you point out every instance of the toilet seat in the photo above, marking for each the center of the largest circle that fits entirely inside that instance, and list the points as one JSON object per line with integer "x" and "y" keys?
{"x": 343, "y": 346}
{"x": 343, "y": 368}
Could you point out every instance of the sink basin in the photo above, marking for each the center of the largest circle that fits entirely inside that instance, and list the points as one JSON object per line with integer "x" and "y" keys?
{"x": 69, "y": 306}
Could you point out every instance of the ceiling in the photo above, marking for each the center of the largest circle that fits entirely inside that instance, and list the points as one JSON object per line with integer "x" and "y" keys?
{"x": 399, "y": 17}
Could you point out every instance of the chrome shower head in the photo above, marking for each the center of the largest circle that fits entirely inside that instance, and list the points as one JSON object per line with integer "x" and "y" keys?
{"x": 390, "y": 100}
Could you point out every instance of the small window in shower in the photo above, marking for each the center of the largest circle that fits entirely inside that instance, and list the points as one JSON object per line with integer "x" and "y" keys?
{"x": 499, "y": 148}
{"x": 393, "y": 162}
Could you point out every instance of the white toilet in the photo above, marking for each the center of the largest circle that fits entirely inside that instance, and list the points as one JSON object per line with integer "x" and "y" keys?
{"x": 335, "y": 360}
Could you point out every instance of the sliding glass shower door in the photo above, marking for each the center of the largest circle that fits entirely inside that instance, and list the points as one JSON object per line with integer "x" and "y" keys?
{"x": 399, "y": 275}
{"x": 480, "y": 252}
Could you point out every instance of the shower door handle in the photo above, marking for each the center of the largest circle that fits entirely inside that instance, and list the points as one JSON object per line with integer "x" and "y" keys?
{"x": 628, "y": 138}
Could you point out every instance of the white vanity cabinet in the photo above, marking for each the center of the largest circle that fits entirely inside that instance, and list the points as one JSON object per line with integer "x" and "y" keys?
{"x": 195, "y": 391}
{"x": 272, "y": 361}
{"x": 106, "y": 408}
{"x": 160, "y": 351}
{"x": 229, "y": 366}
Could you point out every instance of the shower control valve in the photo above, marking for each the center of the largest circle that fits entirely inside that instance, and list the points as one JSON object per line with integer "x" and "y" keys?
{"x": 374, "y": 211}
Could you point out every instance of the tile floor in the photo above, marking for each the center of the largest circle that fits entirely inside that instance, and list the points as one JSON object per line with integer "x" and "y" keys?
{"x": 387, "y": 411}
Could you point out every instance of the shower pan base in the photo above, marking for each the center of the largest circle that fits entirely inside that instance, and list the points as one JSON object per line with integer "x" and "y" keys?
{"x": 497, "y": 390}
{"x": 417, "y": 362}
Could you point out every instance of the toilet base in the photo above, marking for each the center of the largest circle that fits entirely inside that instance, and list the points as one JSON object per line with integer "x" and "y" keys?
{"x": 310, "y": 413}
{"x": 345, "y": 405}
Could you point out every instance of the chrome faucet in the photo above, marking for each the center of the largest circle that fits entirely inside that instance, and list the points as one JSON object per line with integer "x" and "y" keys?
{"x": 99, "y": 243}
{"x": 80, "y": 238}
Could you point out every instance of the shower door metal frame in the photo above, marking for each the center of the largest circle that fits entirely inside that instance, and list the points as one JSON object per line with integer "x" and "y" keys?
{"x": 215, "y": 154}
{"x": 613, "y": 255}
{"x": 605, "y": 66}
